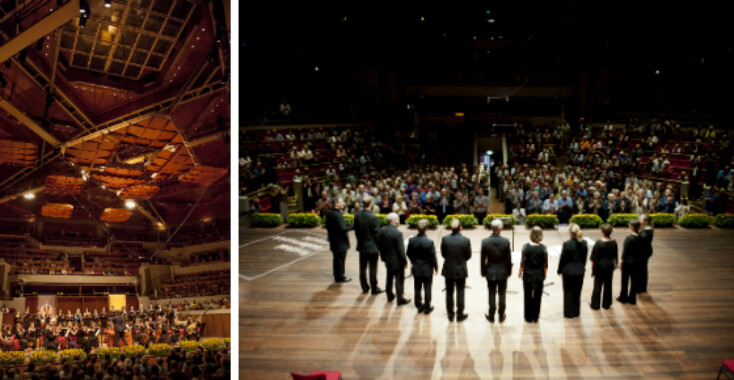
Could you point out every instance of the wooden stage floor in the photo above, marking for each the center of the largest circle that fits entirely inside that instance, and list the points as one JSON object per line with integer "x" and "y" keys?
{"x": 293, "y": 318}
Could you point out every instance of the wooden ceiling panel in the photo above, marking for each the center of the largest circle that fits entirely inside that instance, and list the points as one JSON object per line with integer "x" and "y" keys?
{"x": 203, "y": 175}
{"x": 17, "y": 153}
{"x": 115, "y": 215}
{"x": 57, "y": 210}
{"x": 139, "y": 192}
{"x": 59, "y": 184}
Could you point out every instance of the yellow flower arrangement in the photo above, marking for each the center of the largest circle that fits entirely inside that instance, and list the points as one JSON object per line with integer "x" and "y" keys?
{"x": 133, "y": 350}
{"x": 73, "y": 354}
{"x": 212, "y": 344}
{"x": 159, "y": 349}
{"x": 189, "y": 345}
{"x": 227, "y": 341}
{"x": 112, "y": 352}
{"x": 12, "y": 357}
{"x": 45, "y": 356}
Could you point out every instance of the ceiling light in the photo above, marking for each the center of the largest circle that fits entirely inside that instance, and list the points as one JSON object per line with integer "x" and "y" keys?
{"x": 130, "y": 204}
{"x": 108, "y": 3}
{"x": 29, "y": 195}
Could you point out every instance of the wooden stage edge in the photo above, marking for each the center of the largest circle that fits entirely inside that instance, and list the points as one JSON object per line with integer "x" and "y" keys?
{"x": 294, "y": 318}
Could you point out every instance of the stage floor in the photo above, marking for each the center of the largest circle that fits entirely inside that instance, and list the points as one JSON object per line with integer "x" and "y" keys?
{"x": 294, "y": 318}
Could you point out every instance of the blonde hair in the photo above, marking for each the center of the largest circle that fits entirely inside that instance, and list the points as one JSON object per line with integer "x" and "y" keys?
{"x": 575, "y": 230}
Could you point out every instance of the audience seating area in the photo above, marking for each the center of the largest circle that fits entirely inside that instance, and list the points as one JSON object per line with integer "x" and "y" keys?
{"x": 210, "y": 256}
{"x": 36, "y": 261}
{"x": 111, "y": 264}
{"x": 203, "y": 233}
{"x": 209, "y": 283}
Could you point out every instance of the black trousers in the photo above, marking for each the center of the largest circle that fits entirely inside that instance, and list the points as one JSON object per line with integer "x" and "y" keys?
{"x": 425, "y": 283}
{"x": 480, "y": 216}
{"x": 602, "y": 281}
{"x": 399, "y": 276}
{"x": 338, "y": 265}
{"x": 533, "y": 297}
{"x": 495, "y": 287}
{"x": 458, "y": 285}
{"x": 643, "y": 277}
{"x": 366, "y": 259}
{"x": 631, "y": 276}
{"x": 119, "y": 339}
{"x": 572, "y": 285}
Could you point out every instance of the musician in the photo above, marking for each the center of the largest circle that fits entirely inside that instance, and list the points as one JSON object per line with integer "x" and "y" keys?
{"x": 87, "y": 318}
{"x": 78, "y": 316}
{"x": 71, "y": 334}
{"x": 165, "y": 326}
{"x": 103, "y": 317}
{"x": 118, "y": 321}
{"x": 69, "y": 318}
{"x": 20, "y": 335}
{"x": 32, "y": 335}
{"x": 49, "y": 338}
{"x": 139, "y": 332}
{"x": 93, "y": 336}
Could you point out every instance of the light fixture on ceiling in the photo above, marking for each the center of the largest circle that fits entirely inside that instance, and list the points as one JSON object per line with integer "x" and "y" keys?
{"x": 29, "y": 195}
{"x": 130, "y": 204}
{"x": 108, "y": 3}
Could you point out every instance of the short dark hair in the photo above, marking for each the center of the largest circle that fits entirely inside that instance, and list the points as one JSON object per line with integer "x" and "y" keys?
{"x": 606, "y": 229}
{"x": 635, "y": 224}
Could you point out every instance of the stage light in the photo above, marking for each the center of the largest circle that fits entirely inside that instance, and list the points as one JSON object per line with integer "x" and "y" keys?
{"x": 130, "y": 204}
{"x": 108, "y": 3}
{"x": 423, "y": 18}
{"x": 488, "y": 11}
{"x": 459, "y": 114}
{"x": 657, "y": 72}
{"x": 316, "y": 68}
{"x": 29, "y": 195}
{"x": 491, "y": 21}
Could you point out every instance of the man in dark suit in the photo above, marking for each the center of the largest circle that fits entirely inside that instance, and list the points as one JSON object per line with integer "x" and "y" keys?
{"x": 118, "y": 322}
{"x": 422, "y": 255}
{"x": 456, "y": 250}
{"x": 496, "y": 266}
{"x": 444, "y": 205}
{"x": 338, "y": 239}
{"x": 392, "y": 251}
{"x": 367, "y": 227}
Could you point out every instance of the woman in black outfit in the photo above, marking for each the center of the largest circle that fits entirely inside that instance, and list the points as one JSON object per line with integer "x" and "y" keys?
{"x": 533, "y": 269}
{"x": 646, "y": 233}
{"x": 572, "y": 266}
{"x": 604, "y": 258}
{"x": 633, "y": 261}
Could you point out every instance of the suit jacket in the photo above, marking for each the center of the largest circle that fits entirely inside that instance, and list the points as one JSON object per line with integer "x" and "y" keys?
{"x": 118, "y": 322}
{"x": 456, "y": 250}
{"x": 496, "y": 262}
{"x": 646, "y": 234}
{"x": 392, "y": 248}
{"x": 422, "y": 253}
{"x": 366, "y": 228}
{"x": 337, "y": 229}
{"x": 634, "y": 250}
{"x": 573, "y": 257}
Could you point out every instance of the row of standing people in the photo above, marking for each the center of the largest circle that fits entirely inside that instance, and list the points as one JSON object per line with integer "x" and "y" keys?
{"x": 386, "y": 243}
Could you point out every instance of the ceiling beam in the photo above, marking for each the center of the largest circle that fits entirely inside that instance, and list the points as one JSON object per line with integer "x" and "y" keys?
{"x": 153, "y": 218}
{"x": 22, "y": 193}
{"x": 46, "y": 25}
{"x": 28, "y": 122}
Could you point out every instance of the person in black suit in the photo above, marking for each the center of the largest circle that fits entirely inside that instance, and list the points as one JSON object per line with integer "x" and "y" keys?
{"x": 366, "y": 228}
{"x": 604, "y": 258}
{"x": 422, "y": 255}
{"x": 533, "y": 270}
{"x": 496, "y": 266}
{"x": 633, "y": 258}
{"x": 338, "y": 239}
{"x": 118, "y": 322}
{"x": 392, "y": 251}
{"x": 456, "y": 250}
{"x": 572, "y": 266}
{"x": 646, "y": 233}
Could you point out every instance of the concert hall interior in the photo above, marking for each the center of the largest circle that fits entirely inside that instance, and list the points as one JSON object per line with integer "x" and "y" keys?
{"x": 114, "y": 184}
{"x": 567, "y": 119}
